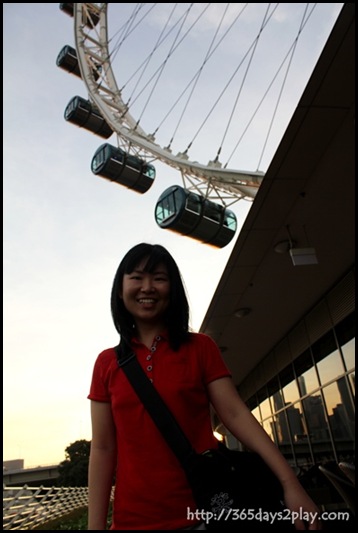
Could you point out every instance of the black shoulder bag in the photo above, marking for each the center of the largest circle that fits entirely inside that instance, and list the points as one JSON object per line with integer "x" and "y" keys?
{"x": 230, "y": 487}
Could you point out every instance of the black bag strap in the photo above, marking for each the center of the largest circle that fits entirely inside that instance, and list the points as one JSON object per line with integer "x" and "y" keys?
{"x": 157, "y": 408}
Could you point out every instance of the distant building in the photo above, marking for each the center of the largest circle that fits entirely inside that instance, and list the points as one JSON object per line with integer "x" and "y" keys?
{"x": 13, "y": 464}
{"x": 15, "y": 475}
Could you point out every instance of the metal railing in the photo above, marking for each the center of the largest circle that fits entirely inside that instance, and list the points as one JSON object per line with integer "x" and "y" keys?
{"x": 28, "y": 507}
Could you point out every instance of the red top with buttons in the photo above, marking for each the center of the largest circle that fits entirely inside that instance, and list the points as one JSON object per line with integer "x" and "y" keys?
{"x": 151, "y": 487}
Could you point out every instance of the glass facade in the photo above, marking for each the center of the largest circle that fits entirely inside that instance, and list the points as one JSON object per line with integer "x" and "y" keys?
{"x": 308, "y": 409}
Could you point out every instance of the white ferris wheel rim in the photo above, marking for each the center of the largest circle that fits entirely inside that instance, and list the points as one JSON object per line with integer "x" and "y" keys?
{"x": 92, "y": 48}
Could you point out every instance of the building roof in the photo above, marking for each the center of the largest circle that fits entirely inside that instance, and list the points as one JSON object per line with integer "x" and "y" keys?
{"x": 307, "y": 195}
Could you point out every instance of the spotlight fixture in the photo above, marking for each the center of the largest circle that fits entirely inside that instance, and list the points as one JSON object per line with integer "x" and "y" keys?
{"x": 243, "y": 311}
{"x": 303, "y": 256}
{"x": 299, "y": 256}
{"x": 283, "y": 247}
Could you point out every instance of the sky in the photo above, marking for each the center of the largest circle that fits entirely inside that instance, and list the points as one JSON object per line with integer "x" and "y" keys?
{"x": 66, "y": 230}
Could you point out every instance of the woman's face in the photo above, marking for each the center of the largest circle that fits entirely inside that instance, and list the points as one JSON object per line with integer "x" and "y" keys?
{"x": 146, "y": 294}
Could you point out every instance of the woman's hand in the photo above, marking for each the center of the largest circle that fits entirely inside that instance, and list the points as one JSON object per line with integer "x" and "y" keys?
{"x": 304, "y": 512}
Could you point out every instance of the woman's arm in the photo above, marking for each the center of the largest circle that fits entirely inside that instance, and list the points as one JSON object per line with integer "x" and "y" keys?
{"x": 239, "y": 420}
{"x": 102, "y": 464}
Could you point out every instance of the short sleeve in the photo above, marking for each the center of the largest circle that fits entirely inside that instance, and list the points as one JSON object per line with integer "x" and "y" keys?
{"x": 212, "y": 363}
{"x": 104, "y": 365}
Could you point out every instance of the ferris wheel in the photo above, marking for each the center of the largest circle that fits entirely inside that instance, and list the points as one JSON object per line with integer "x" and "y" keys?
{"x": 201, "y": 207}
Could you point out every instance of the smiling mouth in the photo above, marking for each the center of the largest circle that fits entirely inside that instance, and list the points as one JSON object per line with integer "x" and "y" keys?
{"x": 147, "y": 301}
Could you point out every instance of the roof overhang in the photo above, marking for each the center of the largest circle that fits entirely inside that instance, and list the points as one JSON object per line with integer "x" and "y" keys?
{"x": 307, "y": 194}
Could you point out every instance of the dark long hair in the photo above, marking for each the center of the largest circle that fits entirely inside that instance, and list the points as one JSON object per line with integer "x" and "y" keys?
{"x": 177, "y": 314}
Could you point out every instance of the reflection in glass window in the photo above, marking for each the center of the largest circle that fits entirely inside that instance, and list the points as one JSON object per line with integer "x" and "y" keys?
{"x": 265, "y": 409}
{"x": 306, "y": 373}
{"x": 281, "y": 427}
{"x": 340, "y": 410}
{"x": 295, "y": 421}
{"x": 289, "y": 385}
{"x": 348, "y": 350}
{"x": 352, "y": 381}
{"x": 330, "y": 368}
{"x": 314, "y": 421}
{"x": 268, "y": 427}
{"x": 345, "y": 332}
{"x": 308, "y": 382}
{"x": 299, "y": 434}
{"x": 275, "y": 395}
{"x": 256, "y": 413}
{"x": 317, "y": 424}
{"x": 283, "y": 436}
{"x": 277, "y": 401}
{"x": 290, "y": 392}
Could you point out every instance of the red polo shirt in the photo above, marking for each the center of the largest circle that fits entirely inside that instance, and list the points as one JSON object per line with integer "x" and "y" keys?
{"x": 152, "y": 491}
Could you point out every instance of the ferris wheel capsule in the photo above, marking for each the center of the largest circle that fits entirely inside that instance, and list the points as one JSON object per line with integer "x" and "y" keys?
{"x": 90, "y": 21}
{"x": 115, "y": 164}
{"x": 191, "y": 214}
{"x": 85, "y": 115}
{"x": 67, "y": 60}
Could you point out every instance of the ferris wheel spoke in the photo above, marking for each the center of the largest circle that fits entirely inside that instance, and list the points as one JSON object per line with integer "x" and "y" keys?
{"x": 92, "y": 47}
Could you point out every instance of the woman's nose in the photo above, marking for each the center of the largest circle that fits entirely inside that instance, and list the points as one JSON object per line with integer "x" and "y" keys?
{"x": 147, "y": 284}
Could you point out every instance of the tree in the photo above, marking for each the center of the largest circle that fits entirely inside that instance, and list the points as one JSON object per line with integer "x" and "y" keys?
{"x": 73, "y": 471}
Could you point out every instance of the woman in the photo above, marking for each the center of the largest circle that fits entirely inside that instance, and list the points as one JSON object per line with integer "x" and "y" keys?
{"x": 151, "y": 313}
